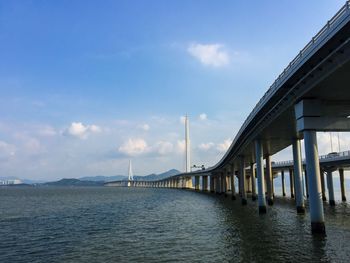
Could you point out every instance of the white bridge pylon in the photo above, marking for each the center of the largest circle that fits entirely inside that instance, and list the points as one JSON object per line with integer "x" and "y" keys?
{"x": 130, "y": 175}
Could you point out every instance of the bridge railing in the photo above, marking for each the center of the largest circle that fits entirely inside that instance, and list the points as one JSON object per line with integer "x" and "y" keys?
{"x": 324, "y": 157}
{"x": 337, "y": 18}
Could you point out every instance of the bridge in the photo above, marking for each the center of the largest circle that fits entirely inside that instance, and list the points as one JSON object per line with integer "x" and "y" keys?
{"x": 310, "y": 95}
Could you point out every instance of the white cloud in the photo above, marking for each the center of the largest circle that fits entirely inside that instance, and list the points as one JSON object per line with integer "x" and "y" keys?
{"x": 6, "y": 149}
{"x": 223, "y": 147}
{"x": 203, "y": 117}
{"x": 205, "y": 146}
{"x": 163, "y": 147}
{"x": 134, "y": 147}
{"x": 144, "y": 127}
{"x": 209, "y": 54}
{"x": 33, "y": 146}
{"x": 47, "y": 131}
{"x": 79, "y": 130}
{"x": 180, "y": 146}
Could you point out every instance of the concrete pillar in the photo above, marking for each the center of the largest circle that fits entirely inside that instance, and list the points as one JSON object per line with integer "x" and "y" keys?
{"x": 228, "y": 182}
{"x": 233, "y": 188}
{"x": 252, "y": 177}
{"x": 196, "y": 182}
{"x": 260, "y": 174}
{"x": 223, "y": 183}
{"x": 283, "y": 183}
{"x": 205, "y": 183}
{"x": 323, "y": 188}
{"x": 242, "y": 181}
{"x": 183, "y": 182}
{"x": 189, "y": 182}
{"x": 269, "y": 180}
{"x": 291, "y": 183}
{"x": 313, "y": 174}
{"x": 299, "y": 198}
{"x": 219, "y": 183}
{"x": 330, "y": 188}
{"x": 342, "y": 185}
{"x": 211, "y": 184}
{"x": 215, "y": 184}
{"x": 306, "y": 184}
{"x": 248, "y": 185}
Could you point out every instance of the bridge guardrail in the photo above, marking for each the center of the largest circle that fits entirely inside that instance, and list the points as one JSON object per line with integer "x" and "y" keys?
{"x": 324, "y": 157}
{"x": 293, "y": 64}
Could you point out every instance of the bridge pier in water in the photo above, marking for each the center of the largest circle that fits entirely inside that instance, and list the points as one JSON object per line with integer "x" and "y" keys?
{"x": 299, "y": 198}
{"x": 196, "y": 183}
{"x": 269, "y": 180}
{"x": 342, "y": 185}
{"x": 253, "y": 180}
{"x": 212, "y": 184}
{"x": 205, "y": 183}
{"x": 283, "y": 183}
{"x": 223, "y": 182}
{"x": 260, "y": 175}
{"x": 330, "y": 188}
{"x": 291, "y": 182}
{"x": 233, "y": 187}
{"x": 323, "y": 187}
{"x": 306, "y": 184}
{"x": 313, "y": 173}
{"x": 242, "y": 181}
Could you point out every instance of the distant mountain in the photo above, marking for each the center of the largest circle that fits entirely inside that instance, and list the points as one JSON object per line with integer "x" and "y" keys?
{"x": 153, "y": 177}
{"x": 103, "y": 178}
{"x": 74, "y": 182}
{"x": 150, "y": 177}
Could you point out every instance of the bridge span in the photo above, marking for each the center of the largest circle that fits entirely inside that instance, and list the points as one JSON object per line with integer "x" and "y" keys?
{"x": 311, "y": 94}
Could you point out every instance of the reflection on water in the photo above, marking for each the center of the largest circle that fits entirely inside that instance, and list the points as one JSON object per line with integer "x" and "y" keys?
{"x": 160, "y": 225}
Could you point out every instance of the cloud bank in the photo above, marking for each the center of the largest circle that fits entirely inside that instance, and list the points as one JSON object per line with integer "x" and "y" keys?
{"x": 212, "y": 55}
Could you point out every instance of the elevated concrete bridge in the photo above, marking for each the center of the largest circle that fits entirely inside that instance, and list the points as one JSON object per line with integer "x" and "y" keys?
{"x": 311, "y": 94}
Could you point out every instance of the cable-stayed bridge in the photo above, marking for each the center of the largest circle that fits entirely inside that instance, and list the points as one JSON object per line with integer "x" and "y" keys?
{"x": 311, "y": 94}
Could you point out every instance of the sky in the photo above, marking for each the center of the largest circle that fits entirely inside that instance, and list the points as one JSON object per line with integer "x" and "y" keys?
{"x": 87, "y": 85}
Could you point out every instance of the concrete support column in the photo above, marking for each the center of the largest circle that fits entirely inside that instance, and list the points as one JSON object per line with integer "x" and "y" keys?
{"x": 233, "y": 187}
{"x": 260, "y": 175}
{"x": 323, "y": 187}
{"x": 215, "y": 184}
{"x": 269, "y": 180}
{"x": 189, "y": 183}
{"x": 196, "y": 183}
{"x": 184, "y": 182}
{"x": 283, "y": 183}
{"x": 204, "y": 183}
{"x": 313, "y": 174}
{"x": 212, "y": 184}
{"x": 219, "y": 179}
{"x": 306, "y": 184}
{"x": 330, "y": 188}
{"x": 228, "y": 182}
{"x": 291, "y": 183}
{"x": 223, "y": 182}
{"x": 252, "y": 177}
{"x": 242, "y": 181}
{"x": 299, "y": 198}
{"x": 342, "y": 185}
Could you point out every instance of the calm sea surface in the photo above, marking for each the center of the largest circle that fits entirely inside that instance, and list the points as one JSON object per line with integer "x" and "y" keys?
{"x": 160, "y": 225}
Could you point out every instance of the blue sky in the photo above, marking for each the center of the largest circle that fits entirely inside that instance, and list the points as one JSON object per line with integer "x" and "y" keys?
{"x": 87, "y": 85}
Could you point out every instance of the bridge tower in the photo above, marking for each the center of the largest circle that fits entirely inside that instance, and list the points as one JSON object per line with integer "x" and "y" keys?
{"x": 187, "y": 145}
{"x": 130, "y": 175}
